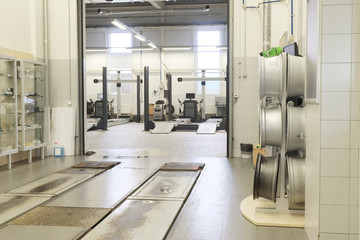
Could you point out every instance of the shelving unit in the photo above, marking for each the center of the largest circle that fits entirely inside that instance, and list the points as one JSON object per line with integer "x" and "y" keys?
{"x": 32, "y": 106}
{"x": 8, "y": 108}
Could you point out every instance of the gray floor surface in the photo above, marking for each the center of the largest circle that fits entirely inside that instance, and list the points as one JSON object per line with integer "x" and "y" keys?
{"x": 212, "y": 211}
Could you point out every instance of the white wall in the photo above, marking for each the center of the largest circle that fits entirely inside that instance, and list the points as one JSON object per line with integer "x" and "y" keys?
{"x": 178, "y": 63}
{"x": 63, "y": 66}
{"x": 21, "y": 26}
{"x": 22, "y": 34}
{"x": 332, "y": 195}
{"x": 248, "y": 44}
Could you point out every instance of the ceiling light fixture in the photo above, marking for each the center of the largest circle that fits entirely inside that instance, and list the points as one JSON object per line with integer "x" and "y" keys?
{"x": 140, "y": 37}
{"x": 118, "y": 24}
{"x": 151, "y": 44}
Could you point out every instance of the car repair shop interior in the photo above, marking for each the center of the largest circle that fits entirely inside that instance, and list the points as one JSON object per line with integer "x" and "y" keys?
{"x": 180, "y": 119}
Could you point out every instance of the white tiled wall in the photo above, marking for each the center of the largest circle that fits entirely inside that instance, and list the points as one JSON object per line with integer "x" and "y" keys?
{"x": 246, "y": 126}
{"x": 339, "y": 119}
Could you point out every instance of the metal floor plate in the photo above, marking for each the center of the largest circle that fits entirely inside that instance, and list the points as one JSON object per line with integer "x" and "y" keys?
{"x": 105, "y": 190}
{"x": 163, "y": 128}
{"x": 93, "y": 171}
{"x": 51, "y": 185}
{"x": 206, "y": 128}
{"x": 13, "y": 206}
{"x": 96, "y": 164}
{"x": 15, "y": 232}
{"x": 182, "y": 166}
{"x": 62, "y": 216}
{"x": 136, "y": 219}
{"x": 165, "y": 185}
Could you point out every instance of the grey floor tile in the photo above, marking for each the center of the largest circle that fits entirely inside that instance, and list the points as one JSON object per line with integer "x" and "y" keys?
{"x": 206, "y": 228}
{"x": 212, "y": 211}
{"x": 299, "y": 234}
{"x": 15, "y": 232}
{"x": 272, "y": 233}
{"x": 239, "y": 229}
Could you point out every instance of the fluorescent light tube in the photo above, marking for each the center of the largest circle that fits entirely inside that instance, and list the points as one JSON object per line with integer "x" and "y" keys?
{"x": 152, "y": 45}
{"x": 176, "y": 48}
{"x": 139, "y": 37}
{"x": 140, "y": 49}
{"x": 118, "y": 24}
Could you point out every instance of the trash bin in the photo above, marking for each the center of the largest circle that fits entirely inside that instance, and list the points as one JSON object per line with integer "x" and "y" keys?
{"x": 246, "y": 150}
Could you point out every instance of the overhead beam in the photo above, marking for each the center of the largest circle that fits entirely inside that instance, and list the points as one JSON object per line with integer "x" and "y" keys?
{"x": 157, "y": 4}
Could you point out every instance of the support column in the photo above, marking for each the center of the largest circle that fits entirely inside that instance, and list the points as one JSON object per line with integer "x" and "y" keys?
{"x": 30, "y": 156}
{"x": 118, "y": 89}
{"x": 138, "y": 83}
{"x": 169, "y": 81}
{"x": 42, "y": 153}
{"x": 146, "y": 98}
{"x": 203, "y": 84}
{"x": 9, "y": 162}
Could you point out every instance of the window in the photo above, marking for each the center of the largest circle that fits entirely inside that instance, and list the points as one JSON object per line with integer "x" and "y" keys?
{"x": 119, "y": 42}
{"x": 208, "y": 57}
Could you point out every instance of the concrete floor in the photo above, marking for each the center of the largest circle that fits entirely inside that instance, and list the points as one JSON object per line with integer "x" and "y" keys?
{"x": 212, "y": 210}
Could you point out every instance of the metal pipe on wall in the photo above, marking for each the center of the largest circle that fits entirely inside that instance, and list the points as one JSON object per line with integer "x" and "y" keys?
{"x": 266, "y": 26}
{"x": 146, "y": 98}
{"x": 104, "y": 12}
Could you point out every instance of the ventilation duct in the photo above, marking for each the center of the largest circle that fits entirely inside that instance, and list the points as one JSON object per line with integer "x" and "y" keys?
{"x": 102, "y": 12}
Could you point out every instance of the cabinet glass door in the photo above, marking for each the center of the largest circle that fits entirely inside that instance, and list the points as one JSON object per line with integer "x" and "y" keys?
{"x": 32, "y": 120}
{"x": 8, "y": 110}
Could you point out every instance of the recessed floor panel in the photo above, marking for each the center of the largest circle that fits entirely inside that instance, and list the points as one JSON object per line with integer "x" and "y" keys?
{"x": 14, "y": 232}
{"x": 137, "y": 220}
{"x": 13, "y": 206}
{"x": 62, "y": 216}
{"x": 182, "y": 166}
{"x": 93, "y": 171}
{"x": 167, "y": 185}
{"x": 105, "y": 190}
{"x": 96, "y": 164}
{"x": 53, "y": 184}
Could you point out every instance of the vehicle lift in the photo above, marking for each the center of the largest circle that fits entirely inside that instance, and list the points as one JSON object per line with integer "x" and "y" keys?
{"x": 103, "y": 123}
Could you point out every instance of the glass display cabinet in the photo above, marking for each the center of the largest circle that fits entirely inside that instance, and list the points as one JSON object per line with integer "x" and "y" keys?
{"x": 8, "y": 108}
{"x": 31, "y": 106}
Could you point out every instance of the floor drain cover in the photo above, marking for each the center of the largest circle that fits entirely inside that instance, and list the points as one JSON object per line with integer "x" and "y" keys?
{"x": 62, "y": 216}
{"x": 96, "y": 164}
{"x": 181, "y": 166}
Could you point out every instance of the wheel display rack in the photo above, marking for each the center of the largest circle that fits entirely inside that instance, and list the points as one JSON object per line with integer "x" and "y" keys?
{"x": 279, "y": 180}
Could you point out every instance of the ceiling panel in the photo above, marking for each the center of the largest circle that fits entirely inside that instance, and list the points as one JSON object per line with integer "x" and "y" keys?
{"x": 99, "y": 13}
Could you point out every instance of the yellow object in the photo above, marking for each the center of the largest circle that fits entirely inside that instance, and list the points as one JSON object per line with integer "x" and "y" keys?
{"x": 256, "y": 151}
{"x": 151, "y": 109}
